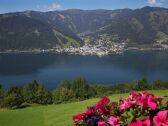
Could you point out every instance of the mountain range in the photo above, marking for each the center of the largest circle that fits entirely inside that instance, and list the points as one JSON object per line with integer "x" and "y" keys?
{"x": 144, "y": 27}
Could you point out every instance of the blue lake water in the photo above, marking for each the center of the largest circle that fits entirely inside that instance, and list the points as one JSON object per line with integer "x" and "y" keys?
{"x": 50, "y": 69}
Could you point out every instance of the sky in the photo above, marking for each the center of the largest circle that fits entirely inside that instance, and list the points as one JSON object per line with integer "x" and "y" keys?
{"x": 51, "y": 5}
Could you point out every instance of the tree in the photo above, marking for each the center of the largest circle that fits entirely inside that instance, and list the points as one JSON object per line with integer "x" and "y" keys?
{"x": 77, "y": 89}
{"x": 13, "y": 97}
{"x": 63, "y": 93}
{"x": 81, "y": 89}
{"x": 36, "y": 93}
{"x": 143, "y": 85}
{"x": 159, "y": 84}
{"x": 43, "y": 96}
{"x": 2, "y": 96}
{"x": 29, "y": 92}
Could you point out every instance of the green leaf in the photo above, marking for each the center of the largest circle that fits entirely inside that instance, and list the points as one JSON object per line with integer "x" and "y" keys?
{"x": 132, "y": 111}
{"x": 131, "y": 117}
{"x": 141, "y": 118}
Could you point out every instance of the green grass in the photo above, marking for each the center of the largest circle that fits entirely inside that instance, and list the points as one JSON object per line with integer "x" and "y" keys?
{"x": 53, "y": 115}
{"x": 71, "y": 41}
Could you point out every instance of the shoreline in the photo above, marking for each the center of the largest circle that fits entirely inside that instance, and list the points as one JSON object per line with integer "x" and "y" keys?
{"x": 76, "y": 51}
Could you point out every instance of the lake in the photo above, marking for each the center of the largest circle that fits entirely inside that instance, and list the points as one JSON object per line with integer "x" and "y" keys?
{"x": 50, "y": 69}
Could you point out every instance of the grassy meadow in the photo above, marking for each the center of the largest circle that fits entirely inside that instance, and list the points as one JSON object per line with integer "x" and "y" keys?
{"x": 53, "y": 115}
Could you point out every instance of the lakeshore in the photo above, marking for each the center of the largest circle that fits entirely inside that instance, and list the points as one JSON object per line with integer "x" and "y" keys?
{"x": 87, "y": 50}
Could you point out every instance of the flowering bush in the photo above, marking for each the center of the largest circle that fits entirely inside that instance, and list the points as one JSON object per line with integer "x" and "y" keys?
{"x": 139, "y": 109}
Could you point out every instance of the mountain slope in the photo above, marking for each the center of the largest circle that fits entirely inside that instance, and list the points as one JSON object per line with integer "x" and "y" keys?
{"x": 20, "y": 31}
{"x": 138, "y": 27}
{"x": 147, "y": 26}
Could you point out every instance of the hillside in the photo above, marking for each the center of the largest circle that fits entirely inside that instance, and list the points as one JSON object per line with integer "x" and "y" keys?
{"x": 138, "y": 27}
{"x": 22, "y": 31}
{"x": 53, "y": 115}
{"x": 145, "y": 27}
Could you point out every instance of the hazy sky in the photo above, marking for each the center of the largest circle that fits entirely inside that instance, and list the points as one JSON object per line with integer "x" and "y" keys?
{"x": 49, "y": 5}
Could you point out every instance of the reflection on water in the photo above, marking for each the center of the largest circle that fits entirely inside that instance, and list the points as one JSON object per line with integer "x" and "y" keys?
{"x": 50, "y": 69}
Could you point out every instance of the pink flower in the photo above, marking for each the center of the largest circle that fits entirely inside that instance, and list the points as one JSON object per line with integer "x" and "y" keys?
{"x": 147, "y": 122}
{"x": 89, "y": 111}
{"x": 127, "y": 103}
{"x": 114, "y": 121}
{"x": 132, "y": 95}
{"x": 101, "y": 106}
{"x": 141, "y": 123}
{"x": 161, "y": 119}
{"x": 137, "y": 123}
{"x": 146, "y": 100}
{"x": 101, "y": 123}
{"x": 79, "y": 117}
{"x": 104, "y": 100}
{"x": 152, "y": 102}
{"x": 140, "y": 101}
{"x": 102, "y": 109}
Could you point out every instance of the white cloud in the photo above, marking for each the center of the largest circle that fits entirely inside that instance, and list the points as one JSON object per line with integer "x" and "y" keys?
{"x": 54, "y": 6}
{"x": 156, "y": 2}
{"x": 152, "y": 2}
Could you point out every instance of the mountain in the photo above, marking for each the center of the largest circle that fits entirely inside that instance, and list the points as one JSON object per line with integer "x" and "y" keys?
{"x": 145, "y": 27}
{"x": 31, "y": 30}
{"x": 139, "y": 27}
